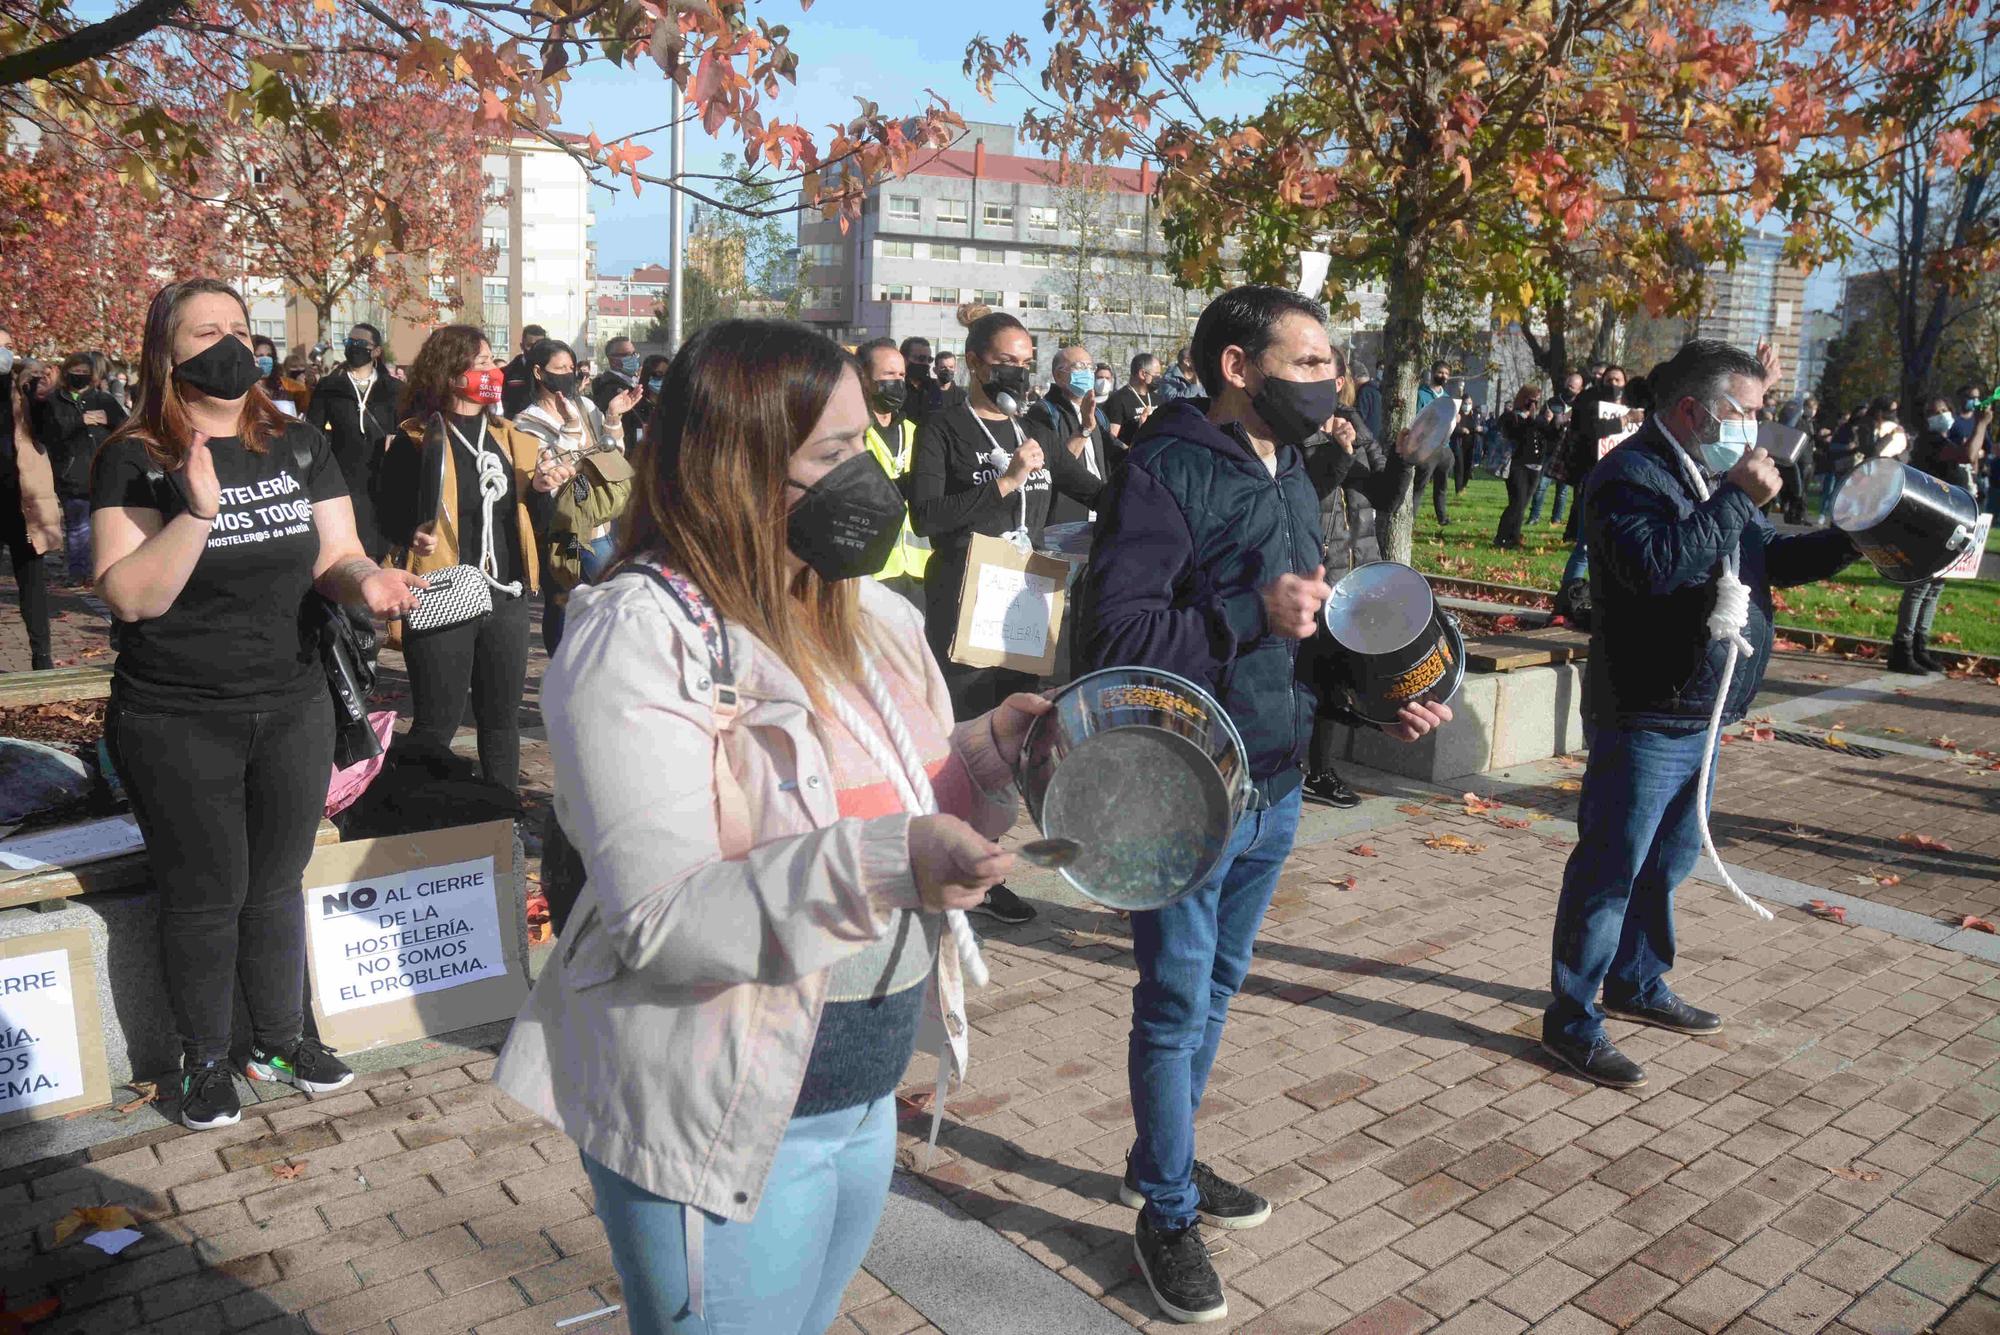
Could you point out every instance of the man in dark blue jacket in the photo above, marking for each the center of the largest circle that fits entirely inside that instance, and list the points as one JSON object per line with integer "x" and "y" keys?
{"x": 1667, "y": 512}
{"x": 1207, "y": 563}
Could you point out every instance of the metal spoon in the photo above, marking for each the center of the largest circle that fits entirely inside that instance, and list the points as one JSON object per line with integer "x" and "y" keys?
{"x": 1055, "y": 854}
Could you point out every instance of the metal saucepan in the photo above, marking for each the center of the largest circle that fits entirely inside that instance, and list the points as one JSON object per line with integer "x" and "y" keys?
{"x": 1909, "y": 525}
{"x": 1401, "y": 647}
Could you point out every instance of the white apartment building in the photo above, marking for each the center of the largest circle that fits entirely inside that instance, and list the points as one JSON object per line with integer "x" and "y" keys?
{"x": 546, "y": 265}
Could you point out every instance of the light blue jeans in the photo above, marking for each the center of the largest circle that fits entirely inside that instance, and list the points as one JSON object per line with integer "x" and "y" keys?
{"x": 783, "y": 1272}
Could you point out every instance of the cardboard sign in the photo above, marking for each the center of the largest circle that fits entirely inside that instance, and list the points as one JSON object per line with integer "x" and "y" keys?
{"x": 1010, "y": 607}
{"x": 1967, "y": 564}
{"x": 414, "y": 935}
{"x": 51, "y": 1045}
{"x": 72, "y": 845}
{"x": 1613, "y": 412}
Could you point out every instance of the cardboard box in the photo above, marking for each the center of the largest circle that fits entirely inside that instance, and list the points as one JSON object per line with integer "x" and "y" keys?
{"x": 1010, "y": 608}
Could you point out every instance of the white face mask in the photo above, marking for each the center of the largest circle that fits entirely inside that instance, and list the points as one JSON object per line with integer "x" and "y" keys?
{"x": 1104, "y": 389}
{"x": 1941, "y": 422}
{"x": 1733, "y": 440}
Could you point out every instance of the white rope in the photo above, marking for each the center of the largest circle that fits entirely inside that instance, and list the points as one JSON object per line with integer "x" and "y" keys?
{"x": 492, "y": 486}
{"x": 1726, "y": 622}
{"x": 1000, "y": 459}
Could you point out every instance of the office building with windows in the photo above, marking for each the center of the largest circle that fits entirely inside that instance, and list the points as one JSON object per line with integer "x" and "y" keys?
{"x": 1763, "y": 298}
{"x": 1072, "y": 251}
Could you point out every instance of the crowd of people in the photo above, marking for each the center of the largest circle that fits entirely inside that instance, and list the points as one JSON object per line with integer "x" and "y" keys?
{"x": 775, "y": 782}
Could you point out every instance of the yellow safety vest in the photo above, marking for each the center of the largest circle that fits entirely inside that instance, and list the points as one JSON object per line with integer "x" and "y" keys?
{"x": 911, "y": 553}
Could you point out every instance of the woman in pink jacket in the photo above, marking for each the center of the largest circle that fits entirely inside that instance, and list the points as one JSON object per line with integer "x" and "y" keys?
{"x": 756, "y": 760}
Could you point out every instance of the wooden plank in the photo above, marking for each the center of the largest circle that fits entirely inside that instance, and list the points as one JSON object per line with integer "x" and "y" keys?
{"x": 111, "y": 874}
{"x": 53, "y": 684}
{"x": 1523, "y": 649}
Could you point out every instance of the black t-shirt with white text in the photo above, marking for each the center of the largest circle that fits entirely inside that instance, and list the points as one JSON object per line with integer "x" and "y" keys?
{"x": 234, "y": 638}
{"x": 1127, "y": 410}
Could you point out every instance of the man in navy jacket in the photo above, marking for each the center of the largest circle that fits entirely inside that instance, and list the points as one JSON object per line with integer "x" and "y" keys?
{"x": 1657, "y": 549}
{"x": 1207, "y": 563}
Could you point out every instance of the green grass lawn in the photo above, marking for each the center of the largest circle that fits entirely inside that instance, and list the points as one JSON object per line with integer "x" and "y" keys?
{"x": 1857, "y": 602}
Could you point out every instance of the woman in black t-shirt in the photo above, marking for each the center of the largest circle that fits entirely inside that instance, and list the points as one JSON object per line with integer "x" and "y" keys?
{"x": 457, "y": 484}
{"x": 215, "y": 518}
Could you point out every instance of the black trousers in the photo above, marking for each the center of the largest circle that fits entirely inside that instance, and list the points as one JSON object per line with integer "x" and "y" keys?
{"x": 1461, "y": 470}
{"x": 1521, "y": 483}
{"x": 487, "y": 659}
{"x": 31, "y": 577}
{"x": 1436, "y": 476}
{"x": 229, "y": 804}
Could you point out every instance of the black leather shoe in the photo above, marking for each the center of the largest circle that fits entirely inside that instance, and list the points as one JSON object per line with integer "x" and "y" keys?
{"x": 1330, "y": 790}
{"x": 1920, "y": 654}
{"x": 1675, "y": 1014}
{"x": 1599, "y": 1062}
{"x": 1178, "y": 1271}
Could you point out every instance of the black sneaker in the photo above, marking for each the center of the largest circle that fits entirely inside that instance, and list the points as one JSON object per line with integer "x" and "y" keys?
{"x": 1003, "y": 905}
{"x": 1178, "y": 1271}
{"x": 1599, "y": 1062}
{"x": 1224, "y": 1204}
{"x": 1330, "y": 790}
{"x": 208, "y": 1095}
{"x": 1675, "y": 1014}
{"x": 308, "y": 1064}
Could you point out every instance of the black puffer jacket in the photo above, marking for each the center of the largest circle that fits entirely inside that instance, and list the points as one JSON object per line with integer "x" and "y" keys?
{"x": 1655, "y": 554}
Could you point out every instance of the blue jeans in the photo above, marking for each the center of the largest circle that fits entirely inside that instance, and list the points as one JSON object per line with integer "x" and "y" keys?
{"x": 76, "y": 537}
{"x": 1541, "y": 490}
{"x": 783, "y": 1272}
{"x": 1827, "y": 481}
{"x": 1193, "y": 956}
{"x": 1638, "y": 835}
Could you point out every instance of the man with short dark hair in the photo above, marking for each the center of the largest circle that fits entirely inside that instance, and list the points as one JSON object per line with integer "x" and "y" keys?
{"x": 1180, "y": 382}
{"x": 1672, "y": 518}
{"x": 1207, "y": 564}
{"x": 892, "y": 438}
{"x": 1367, "y": 400}
{"x": 1129, "y": 408}
{"x": 616, "y": 390}
{"x": 517, "y": 382}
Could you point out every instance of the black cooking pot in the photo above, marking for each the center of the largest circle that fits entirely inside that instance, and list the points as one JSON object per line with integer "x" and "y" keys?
{"x": 1909, "y": 525}
{"x": 1400, "y": 647}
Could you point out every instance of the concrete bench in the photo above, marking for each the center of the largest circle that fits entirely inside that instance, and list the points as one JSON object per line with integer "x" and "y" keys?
{"x": 1498, "y": 719}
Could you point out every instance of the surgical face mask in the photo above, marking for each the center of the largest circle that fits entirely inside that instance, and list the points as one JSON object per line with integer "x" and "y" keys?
{"x": 1081, "y": 382}
{"x": 1941, "y": 422}
{"x": 1733, "y": 440}
{"x": 266, "y": 364}
{"x": 6, "y": 360}
{"x": 627, "y": 365}
{"x": 1971, "y": 406}
{"x": 653, "y": 383}
{"x": 1104, "y": 388}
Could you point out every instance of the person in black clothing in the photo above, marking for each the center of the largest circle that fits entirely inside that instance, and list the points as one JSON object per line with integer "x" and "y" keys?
{"x": 356, "y": 407}
{"x": 924, "y": 393}
{"x": 980, "y": 470}
{"x": 1946, "y": 456}
{"x": 1527, "y": 432}
{"x": 652, "y": 375}
{"x": 30, "y": 516}
{"x": 1129, "y": 408}
{"x": 217, "y": 518}
{"x": 1368, "y": 400}
{"x": 1071, "y": 395}
{"x": 517, "y": 382}
{"x": 617, "y": 392}
{"x": 1465, "y": 439}
{"x": 944, "y": 369}
{"x": 72, "y": 420}
{"x": 1340, "y": 460}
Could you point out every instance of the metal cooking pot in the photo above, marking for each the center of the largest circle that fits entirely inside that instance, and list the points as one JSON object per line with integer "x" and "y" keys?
{"x": 1401, "y": 647}
{"x": 1909, "y": 525}
{"x": 1147, "y": 773}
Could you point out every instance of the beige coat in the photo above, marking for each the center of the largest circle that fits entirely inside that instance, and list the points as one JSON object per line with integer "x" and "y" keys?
{"x": 40, "y": 510}
{"x": 670, "y": 1034}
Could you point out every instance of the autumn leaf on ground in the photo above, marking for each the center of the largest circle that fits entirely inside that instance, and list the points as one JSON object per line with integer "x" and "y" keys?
{"x": 1452, "y": 843}
{"x": 1838, "y": 743}
{"x": 1896, "y": 731}
{"x": 1762, "y": 734}
{"x": 913, "y": 1105}
{"x": 1474, "y": 804}
{"x": 20, "y": 1318}
{"x": 1853, "y": 1174}
{"x": 288, "y": 1172}
{"x": 1363, "y": 851}
{"x": 1972, "y": 924}
{"x": 1889, "y": 878}
{"x": 1817, "y": 676}
{"x": 1344, "y": 883}
{"x": 1831, "y": 912}
{"x": 97, "y": 1218}
{"x": 1568, "y": 785}
{"x": 1410, "y": 809}
{"x": 144, "y": 1092}
{"x": 1569, "y": 762}
{"x": 1923, "y": 841}
{"x": 1512, "y": 823}
{"x": 1944, "y": 743}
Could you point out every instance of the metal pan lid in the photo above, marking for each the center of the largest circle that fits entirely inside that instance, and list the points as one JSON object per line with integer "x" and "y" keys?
{"x": 1867, "y": 495}
{"x": 1430, "y": 430}
{"x": 1379, "y": 608}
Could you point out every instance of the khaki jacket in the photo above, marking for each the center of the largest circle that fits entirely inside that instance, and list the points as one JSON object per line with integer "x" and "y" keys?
{"x": 35, "y": 476}
{"x": 669, "y": 1035}
{"x": 524, "y": 450}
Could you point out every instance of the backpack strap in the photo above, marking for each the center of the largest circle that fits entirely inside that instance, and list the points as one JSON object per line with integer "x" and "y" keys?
{"x": 732, "y": 810}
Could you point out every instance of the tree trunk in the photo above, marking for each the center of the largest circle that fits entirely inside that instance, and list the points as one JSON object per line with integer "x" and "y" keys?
{"x": 1606, "y": 346}
{"x": 1402, "y": 364}
{"x": 323, "y": 317}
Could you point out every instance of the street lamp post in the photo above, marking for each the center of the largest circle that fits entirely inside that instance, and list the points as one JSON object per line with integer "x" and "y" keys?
{"x": 676, "y": 244}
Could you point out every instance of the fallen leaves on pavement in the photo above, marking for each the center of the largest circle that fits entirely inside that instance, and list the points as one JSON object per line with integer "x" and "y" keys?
{"x": 288, "y": 1172}
{"x": 1512, "y": 823}
{"x": 1475, "y": 804}
{"x": 1344, "y": 883}
{"x": 1452, "y": 843}
{"x": 1837, "y": 742}
{"x": 1831, "y": 912}
{"x": 1853, "y": 1174}
{"x": 20, "y": 1318}
{"x": 97, "y": 1218}
{"x": 1972, "y": 924}
{"x": 1364, "y": 851}
{"x": 1923, "y": 841}
{"x": 1569, "y": 785}
{"x": 1944, "y": 743}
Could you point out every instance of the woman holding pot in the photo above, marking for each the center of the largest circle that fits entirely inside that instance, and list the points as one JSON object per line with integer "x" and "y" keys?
{"x": 456, "y": 486}
{"x": 741, "y": 984}
{"x": 215, "y": 518}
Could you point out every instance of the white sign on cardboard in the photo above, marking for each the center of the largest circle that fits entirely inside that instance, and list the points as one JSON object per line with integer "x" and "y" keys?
{"x": 405, "y": 933}
{"x": 1011, "y": 611}
{"x": 1967, "y": 564}
{"x": 73, "y": 845}
{"x": 40, "y": 1058}
{"x": 1613, "y": 412}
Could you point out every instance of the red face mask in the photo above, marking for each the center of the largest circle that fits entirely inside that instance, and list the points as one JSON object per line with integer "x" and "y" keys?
{"x": 482, "y": 386}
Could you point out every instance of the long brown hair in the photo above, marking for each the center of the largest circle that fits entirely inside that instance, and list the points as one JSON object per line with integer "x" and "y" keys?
{"x": 440, "y": 365}
{"x": 159, "y": 419}
{"x": 710, "y": 494}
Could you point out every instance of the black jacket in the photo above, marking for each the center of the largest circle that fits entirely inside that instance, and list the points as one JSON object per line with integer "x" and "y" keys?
{"x": 1368, "y": 403}
{"x": 57, "y": 422}
{"x": 1586, "y": 428}
{"x": 517, "y": 386}
{"x": 1057, "y": 413}
{"x": 1189, "y": 532}
{"x": 1655, "y": 554}
{"x": 358, "y": 432}
{"x": 607, "y": 386}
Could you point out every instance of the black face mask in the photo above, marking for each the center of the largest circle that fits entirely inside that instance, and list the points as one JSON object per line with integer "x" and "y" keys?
{"x": 889, "y": 396}
{"x": 564, "y": 385}
{"x": 359, "y": 354}
{"x": 1296, "y": 410}
{"x": 1011, "y": 383}
{"x": 944, "y": 375}
{"x": 917, "y": 373}
{"x": 847, "y": 523}
{"x": 78, "y": 380}
{"x": 225, "y": 369}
